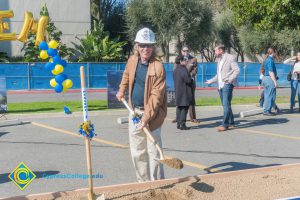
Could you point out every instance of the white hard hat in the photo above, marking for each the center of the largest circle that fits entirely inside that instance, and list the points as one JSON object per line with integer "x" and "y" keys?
{"x": 145, "y": 36}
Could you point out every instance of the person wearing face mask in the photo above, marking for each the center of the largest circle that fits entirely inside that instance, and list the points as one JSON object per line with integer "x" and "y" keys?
{"x": 226, "y": 77}
{"x": 294, "y": 77}
{"x": 269, "y": 82}
{"x": 145, "y": 79}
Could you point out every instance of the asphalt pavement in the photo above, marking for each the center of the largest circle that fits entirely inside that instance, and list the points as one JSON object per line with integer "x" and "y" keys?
{"x": 49, "y": 145}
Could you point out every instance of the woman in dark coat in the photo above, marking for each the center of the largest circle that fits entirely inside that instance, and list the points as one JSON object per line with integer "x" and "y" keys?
{"x": 183, "y": 92}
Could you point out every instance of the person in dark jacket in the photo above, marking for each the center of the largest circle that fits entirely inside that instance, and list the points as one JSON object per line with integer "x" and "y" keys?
{"x": 192, "y": 69}
{"x": 183, "y": 92}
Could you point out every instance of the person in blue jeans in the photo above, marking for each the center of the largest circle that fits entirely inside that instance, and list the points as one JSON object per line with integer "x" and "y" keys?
{"x": 262, "y": 96}
{"x": 226, "y": 77}
{"x": 269, "y": 82}
{"x": 295, "y": 79}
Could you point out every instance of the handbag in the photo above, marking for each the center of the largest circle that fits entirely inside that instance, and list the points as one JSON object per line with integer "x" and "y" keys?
{"x": 289, "y": 76}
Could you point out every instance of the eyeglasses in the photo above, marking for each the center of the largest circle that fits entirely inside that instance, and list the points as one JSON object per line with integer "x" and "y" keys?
{"x": 146, "y": 45}
{"x": 185, "y": 50}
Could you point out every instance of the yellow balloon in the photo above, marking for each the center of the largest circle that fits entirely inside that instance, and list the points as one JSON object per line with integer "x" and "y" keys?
{"x": 28, "y": 22}
{"x": 67, "y": 83}
{"x": 40, "y": 33}
{"x": 53, "y": 82}
{"x": 64, "y": 89}
{"x": 43, "y": 54}
{"x": 54, "y": 72}
{"x": 59, "y": 69}
{"x": 53, "y": 44}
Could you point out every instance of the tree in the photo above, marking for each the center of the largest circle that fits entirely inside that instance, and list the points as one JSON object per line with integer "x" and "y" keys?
{"x": 32, "y": 52}
{"x": 267, "y": 14}
{"x": 181, "y": 20}
{"x": 97, "y": 47}
{"x": 227, "y": 32}
{"x": 3, "y": 57}
{"x": 255, "y": 42}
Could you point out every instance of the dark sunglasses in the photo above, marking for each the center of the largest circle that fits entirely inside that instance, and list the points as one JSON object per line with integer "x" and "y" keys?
{"x": 146, "y": 45}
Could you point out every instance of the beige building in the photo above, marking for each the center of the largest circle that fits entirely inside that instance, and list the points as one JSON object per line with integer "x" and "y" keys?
{"x": 72, "y": 17}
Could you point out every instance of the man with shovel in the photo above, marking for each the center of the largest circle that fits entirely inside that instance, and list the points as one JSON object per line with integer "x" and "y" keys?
{"x": 145, "y": 79}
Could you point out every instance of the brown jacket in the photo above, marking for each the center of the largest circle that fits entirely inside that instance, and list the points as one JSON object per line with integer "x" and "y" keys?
{"x": 155, "y": 95}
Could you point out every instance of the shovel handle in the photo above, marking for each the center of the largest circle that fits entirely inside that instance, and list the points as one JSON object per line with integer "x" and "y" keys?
{"x": 146, "y": 130}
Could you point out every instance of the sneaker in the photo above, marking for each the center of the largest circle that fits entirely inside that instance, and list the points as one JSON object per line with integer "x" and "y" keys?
{"x": 222, "y": 128}
{"x": 195, "y": 121}
{"x": 184, "y": 127}
{"x": 230, "y": 127}
{"x": 269, "y": 113}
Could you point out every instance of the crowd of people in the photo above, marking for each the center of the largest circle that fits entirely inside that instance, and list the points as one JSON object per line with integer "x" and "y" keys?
{"x": 144, "y": 78}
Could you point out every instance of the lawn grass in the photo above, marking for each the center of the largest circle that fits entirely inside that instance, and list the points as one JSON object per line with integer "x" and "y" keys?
{"x": 240, "y": 100}
{"x": 55, "y": 106}
{"x": 94, "y": 105}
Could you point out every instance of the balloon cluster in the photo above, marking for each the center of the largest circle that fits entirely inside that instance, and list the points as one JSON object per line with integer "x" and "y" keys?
{"x": 56, "y": 65}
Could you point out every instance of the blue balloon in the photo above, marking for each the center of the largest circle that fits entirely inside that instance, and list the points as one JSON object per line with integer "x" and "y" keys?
{"x": 63, "y": 63}
{"x": 49, "y": 66}
{"x": 52, "y": 52}
{"x": 59, "y": 78}
{"x": 65, "y": 76}
{"x": 43, "y": 46}
{"x": 58, "y": 88}
{"x": 56, "y": 59}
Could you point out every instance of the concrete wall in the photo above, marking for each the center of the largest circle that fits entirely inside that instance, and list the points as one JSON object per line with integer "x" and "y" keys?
{"x": 72, "y": 17}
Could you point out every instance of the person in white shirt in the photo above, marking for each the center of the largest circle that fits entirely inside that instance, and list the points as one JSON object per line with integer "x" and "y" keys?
{"x": 295, "y": 79}
{"x": 226, "y": 77}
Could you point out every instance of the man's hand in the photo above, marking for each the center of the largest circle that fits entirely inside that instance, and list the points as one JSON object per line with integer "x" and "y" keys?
{"x": 140, "y": 125}
{"x": 259, "y": 87}
{"x": 275, "y": 84}
{"x": 119, "y": 96}
{"x": 208, "y": 82}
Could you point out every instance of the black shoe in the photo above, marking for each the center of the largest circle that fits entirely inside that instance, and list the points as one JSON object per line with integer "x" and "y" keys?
{"x": 269, "y": 113}
{"x": 178, "y": 126}
{"x": 291, "y": 110}
{"x": 184, "y": 127}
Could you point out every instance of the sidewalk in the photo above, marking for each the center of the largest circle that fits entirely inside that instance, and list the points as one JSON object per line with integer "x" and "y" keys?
{"x": 101, "y": 94}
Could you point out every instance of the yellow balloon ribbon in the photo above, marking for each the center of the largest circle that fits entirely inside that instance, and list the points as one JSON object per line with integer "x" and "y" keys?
{"x": 40, "y": 34}
{"x": 28, "y": 22}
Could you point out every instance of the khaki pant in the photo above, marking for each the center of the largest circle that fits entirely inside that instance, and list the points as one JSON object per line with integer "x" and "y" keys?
{"x": 144, "y": 153}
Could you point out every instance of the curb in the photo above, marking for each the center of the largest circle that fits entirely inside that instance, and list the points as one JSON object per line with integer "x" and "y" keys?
{"x": 145, "y": 185}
